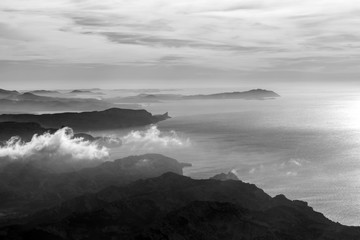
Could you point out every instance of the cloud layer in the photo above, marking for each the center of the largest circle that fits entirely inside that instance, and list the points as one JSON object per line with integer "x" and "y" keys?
{"x": 53, "y": 149}
{"x": 153, "y": 139}
{"x": 189, "y": 37}
{"x": 61, "y": 152}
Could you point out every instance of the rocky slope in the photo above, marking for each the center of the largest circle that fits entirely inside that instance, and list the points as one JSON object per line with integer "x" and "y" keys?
{"x": 26, "y": 187}
{"x": 177, "y": 207}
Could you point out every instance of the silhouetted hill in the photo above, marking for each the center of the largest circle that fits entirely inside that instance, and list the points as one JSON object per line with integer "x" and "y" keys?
{"x": 29, "y": 96}
{"x": 26, "y": 187}
{"x": 45, "y": 92}
{"x": 43, "y": 104}
{"x": 113, "y": 118}
{"x": 146, "y": 98}
{"x": 24, "y": 130}
{"x": 255, "y": 94}
{"x": 225, "y": 176}
{"x": 79, "y": 91}
{"x": 6, "y": 93}
{"x": 85, "y": 92}
{"x": 13, "y": 101}
{"x": 177, "y": 207}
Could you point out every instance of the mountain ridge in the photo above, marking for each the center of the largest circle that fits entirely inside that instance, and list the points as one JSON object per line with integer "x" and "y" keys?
{"x": 177, "y": 207}
{"x": 95, "y": 120}
{"x": 254, "y": 94}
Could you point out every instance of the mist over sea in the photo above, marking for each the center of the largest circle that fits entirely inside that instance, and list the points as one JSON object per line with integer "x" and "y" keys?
{"x": 305, "y": 146}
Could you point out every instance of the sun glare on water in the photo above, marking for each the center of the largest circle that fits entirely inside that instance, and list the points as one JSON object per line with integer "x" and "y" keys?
{"x": 352, "y": 114}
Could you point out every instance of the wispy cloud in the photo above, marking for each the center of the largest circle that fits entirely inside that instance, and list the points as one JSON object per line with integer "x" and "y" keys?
{"x": 230, "y": 34}
{"x": 158, "y": 41}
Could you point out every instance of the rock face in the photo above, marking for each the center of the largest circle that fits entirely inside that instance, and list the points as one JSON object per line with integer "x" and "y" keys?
{"x": 177, "y": 207}
{"x": 113, "y": 118}
{"x": 24, "y": 187}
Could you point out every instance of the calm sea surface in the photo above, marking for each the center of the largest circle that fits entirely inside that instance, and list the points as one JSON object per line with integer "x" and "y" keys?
{"x": 306, "y": 147}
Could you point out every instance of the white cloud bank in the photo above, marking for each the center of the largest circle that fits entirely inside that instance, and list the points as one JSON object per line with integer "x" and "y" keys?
{"x": 153, "y": 139}
{"x": 237, "y": 34}
{"x": 59, "y": 147}
{"x": 60, "y": 151}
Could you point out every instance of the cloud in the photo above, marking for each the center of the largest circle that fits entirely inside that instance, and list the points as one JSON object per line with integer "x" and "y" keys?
{"x": 60, "y": 151}
{"x": 52, "y": 149}
{"x": 7, "y": 32}
{"x": 153, "y": 139}
{"x": 171, "y": 59}
{"x": 158, "y": 41}
{"x": 91, "y": 21}
{"x": 293, "y": 163}
{"x": 291, "y": 174}
{"x": 246, "y": 35}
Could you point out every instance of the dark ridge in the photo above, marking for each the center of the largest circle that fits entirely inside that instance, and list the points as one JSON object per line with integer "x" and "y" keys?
{"x": 6, "y": 93}
{"x": 225, "y": 176}
{"x": 80, "y": 91}
{"x": 26, "y": 187}
{"x": 86, "y": 92}
{"x": 44, "y": 92}
{"x": 177, "y": 207}
{"x": 255, "y": 94}
{"x": 24, "y": 130}
{"x": 42, "y": 100}
{"x": 113, "y": 118}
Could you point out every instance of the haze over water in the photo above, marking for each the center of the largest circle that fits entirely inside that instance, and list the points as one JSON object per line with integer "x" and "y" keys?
{"x": 306, "y": 146}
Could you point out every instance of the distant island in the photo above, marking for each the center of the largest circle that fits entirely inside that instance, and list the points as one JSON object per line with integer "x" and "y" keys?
{"x": 255, "y": 94}
{"x": 113, "y": 118}
{"x": 86, "y": 92}
{"x": 26, "y": 130}
{"x": 6, "y": 93}
{"x": 45, "y": 92}
{"x": 13, "y": 101}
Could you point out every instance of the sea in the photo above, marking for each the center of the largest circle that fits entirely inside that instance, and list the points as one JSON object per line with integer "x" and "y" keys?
{"x": 305, "y": 146}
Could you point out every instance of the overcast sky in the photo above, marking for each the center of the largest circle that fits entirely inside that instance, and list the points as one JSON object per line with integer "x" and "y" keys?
{"x": 178, "y": 43}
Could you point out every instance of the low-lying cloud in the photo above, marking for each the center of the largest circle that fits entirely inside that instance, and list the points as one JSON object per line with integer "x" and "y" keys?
{"x": 152, "y": 138}
{"x": 61, "y": 151}
{"x": 58, "y": 148}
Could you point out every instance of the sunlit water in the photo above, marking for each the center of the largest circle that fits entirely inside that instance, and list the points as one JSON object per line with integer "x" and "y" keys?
{"x": 306, "y": 147}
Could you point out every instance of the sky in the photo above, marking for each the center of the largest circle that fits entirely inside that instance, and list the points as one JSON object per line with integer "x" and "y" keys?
{"x": 171, "y": 43}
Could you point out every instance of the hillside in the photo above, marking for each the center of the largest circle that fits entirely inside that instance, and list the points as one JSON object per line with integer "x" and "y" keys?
{"x": 113, "y": 118}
